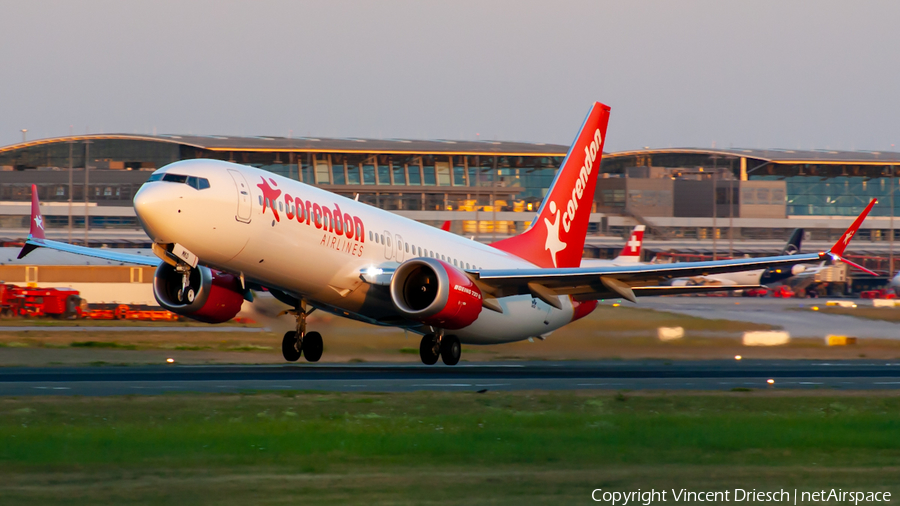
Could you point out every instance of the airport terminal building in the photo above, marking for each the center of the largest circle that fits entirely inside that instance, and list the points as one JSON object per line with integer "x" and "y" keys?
{"x": 729, "y": 201}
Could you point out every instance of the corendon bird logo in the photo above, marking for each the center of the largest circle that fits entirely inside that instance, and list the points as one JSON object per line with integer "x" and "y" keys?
{"x": 554, "y": 243}
{"x": 341, "y": 231}
{"x": 270, "y": 196}
{"x": 848, "y": 236}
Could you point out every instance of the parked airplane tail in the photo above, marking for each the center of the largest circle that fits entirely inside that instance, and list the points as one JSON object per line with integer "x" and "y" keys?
{"x": 794, "y": 243}
{"x": 556, "y": 236}
{"x": 631, "y": 253}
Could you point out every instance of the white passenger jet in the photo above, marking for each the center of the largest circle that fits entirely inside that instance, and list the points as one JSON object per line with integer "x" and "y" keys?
{"x": 222, "y": 229}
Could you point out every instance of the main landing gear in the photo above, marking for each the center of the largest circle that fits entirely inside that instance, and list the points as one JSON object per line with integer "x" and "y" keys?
{"x": 445, "y": 347}
{"x": 299, "y": 342}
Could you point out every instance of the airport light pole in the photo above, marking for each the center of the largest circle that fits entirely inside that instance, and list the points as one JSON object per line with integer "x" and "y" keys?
{"x": 731, "y": 210}
{"x": 87, "y": 151}
{"x": 71, "y": 150}
{"x": 715, "y": 212}
{"x": 891, "y": 238}
{"x": 24, "y": 131}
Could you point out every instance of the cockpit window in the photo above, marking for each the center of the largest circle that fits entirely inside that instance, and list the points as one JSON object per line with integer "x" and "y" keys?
{"x": 200, "y": 183}
{"x": 175, "y": 178}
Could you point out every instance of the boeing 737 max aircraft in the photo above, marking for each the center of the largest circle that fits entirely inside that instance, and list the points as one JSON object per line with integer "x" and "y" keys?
{"x": 222, "y": 229}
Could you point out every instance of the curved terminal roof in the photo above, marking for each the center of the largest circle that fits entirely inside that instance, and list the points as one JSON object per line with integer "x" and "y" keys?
{"x": 325, "y": 145}
{"x": 786, "y": 156}
{"x": 223, "y": 143}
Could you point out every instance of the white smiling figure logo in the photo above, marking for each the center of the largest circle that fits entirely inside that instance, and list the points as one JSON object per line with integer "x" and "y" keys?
{"x": 553, "y": 244}
{"x": 39, "y": 221}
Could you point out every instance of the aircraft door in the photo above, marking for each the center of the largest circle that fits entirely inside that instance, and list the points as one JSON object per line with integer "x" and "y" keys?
{"x": 245, "y": 201}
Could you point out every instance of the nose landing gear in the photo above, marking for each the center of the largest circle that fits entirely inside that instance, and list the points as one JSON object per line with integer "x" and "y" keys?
{"x": 299, "y": 342}
{"x": 187, "y": 294}
{"x": 433, "y": 346}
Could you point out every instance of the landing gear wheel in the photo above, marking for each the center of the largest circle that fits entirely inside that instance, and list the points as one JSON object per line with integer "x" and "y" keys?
{"x": 451, "y": 350}
{"x": 428, "y": 349}
{"x": 187, "y": 294}
{"x": 290, "y": 347}
{"x": 312, "y": 346}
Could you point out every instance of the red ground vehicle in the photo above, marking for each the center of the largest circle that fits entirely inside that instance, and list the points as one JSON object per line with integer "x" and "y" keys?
{"x": 782, "y": 292}
{"x": 33, "y": 302}
{"x": 756, "y": 292}
{"x": 878, "y": 294}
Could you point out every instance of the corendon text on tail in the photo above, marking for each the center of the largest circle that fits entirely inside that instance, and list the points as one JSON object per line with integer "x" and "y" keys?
{"x": 223, "y": 232}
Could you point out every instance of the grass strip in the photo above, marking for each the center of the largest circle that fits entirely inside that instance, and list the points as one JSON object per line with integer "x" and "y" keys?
{"x": 448, "y": 448}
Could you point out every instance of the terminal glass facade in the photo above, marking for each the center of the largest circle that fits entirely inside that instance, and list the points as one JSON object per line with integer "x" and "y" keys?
{"x": 408, "y": 181}
{"x": 812, "y": 189}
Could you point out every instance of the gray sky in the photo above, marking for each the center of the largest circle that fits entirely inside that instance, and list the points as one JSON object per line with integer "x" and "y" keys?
{"x": 818, "y": 74}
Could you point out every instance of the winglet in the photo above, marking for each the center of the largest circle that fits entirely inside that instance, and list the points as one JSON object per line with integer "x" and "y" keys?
{"x": 837, "y": 251}
{"x": 841, "y": 244}
{"x": 37, "y": 224}
{"x": 37, "y": 221}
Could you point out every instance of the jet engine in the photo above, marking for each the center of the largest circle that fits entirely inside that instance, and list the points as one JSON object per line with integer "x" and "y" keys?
{"x": 216, "y": 296}
{"x": 435, "y": 293}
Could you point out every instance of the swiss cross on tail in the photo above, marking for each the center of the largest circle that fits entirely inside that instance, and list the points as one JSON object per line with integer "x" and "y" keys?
{"x": 632, "y": 251}
{"x": 556, "y": 237}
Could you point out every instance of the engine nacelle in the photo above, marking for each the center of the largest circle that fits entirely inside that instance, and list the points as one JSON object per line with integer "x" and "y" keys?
{"x": 218, "y": 295}
{"x": 435, "y": 293}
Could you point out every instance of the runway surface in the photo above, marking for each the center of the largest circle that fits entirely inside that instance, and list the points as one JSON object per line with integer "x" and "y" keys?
{"x": 788, "y": 314}
{"x": 573, "y": 375}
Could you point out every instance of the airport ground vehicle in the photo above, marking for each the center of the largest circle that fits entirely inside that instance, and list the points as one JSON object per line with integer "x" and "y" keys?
{"x": 221, "y": 229}
{"x": 35, "y": 302}
{"x": 881, "y": 293}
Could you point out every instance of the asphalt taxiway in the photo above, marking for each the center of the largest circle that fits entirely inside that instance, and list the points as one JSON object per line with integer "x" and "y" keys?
{"x": 569, "y": 375}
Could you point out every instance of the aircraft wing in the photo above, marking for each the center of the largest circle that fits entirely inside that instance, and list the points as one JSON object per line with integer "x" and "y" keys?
{"x": 107, "y": 254}
{"x": 36, "y": 240}
{"x": 593, "y": 283}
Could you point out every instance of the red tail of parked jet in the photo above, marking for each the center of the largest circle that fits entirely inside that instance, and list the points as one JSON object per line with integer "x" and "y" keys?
{"x": 556, "y": 237}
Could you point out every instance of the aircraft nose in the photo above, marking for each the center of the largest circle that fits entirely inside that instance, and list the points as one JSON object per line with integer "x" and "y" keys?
{"x": 156, "y": 209}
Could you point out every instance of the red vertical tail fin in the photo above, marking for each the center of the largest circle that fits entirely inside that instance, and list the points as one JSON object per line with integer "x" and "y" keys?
{"x": 556, "y": 237}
